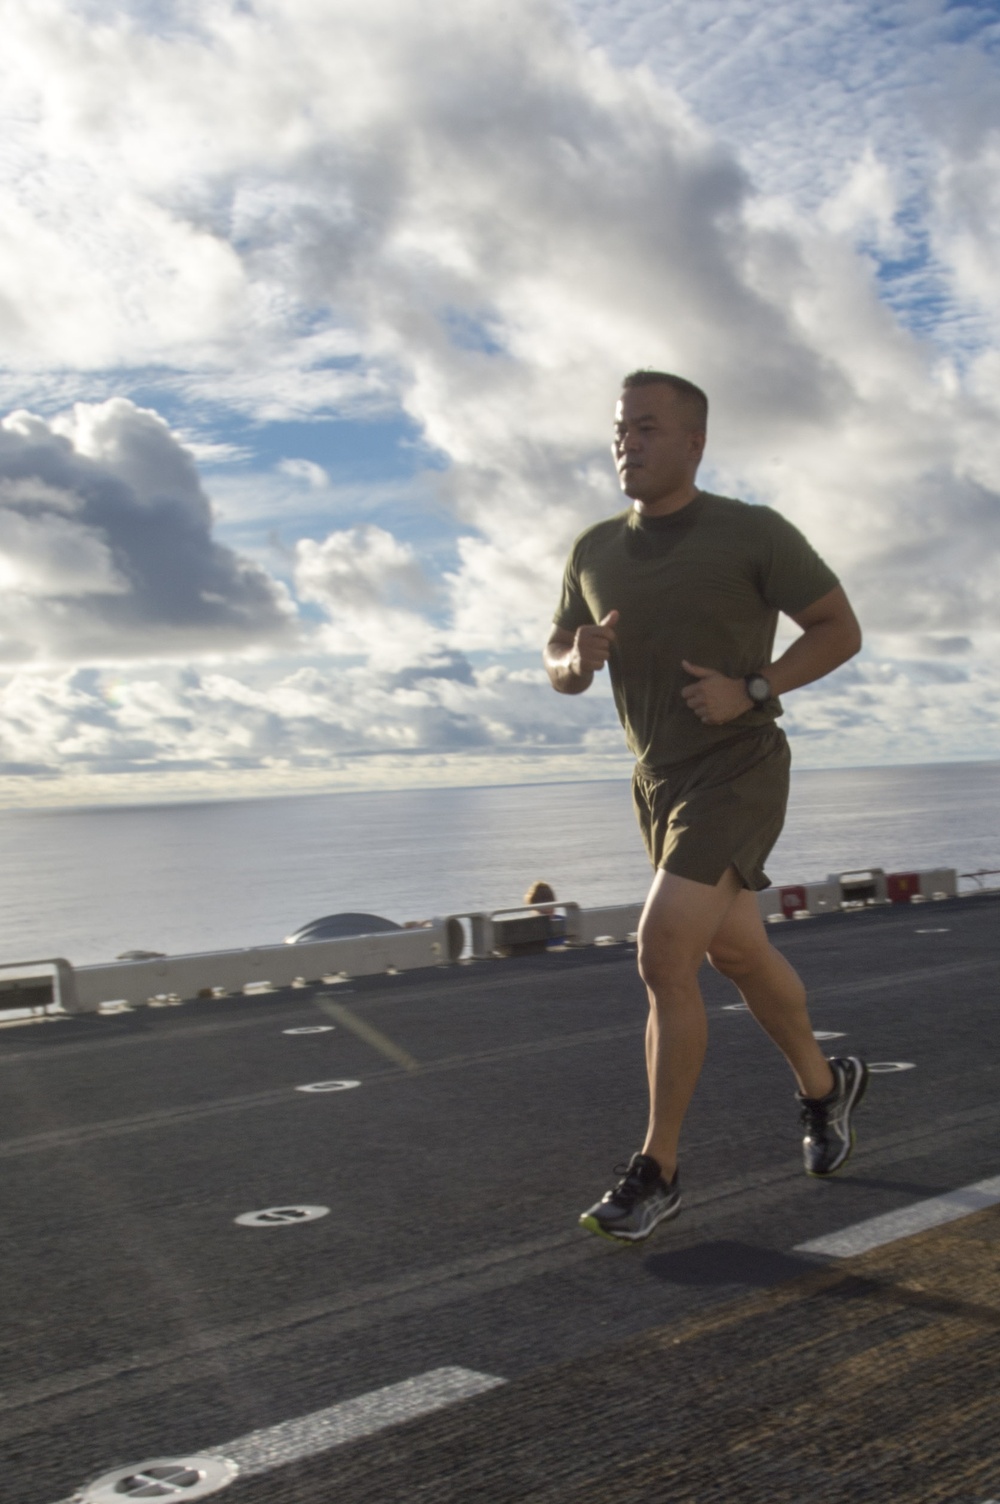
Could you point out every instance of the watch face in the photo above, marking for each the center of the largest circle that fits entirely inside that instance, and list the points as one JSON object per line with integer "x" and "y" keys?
{"x": 758, "y": 688}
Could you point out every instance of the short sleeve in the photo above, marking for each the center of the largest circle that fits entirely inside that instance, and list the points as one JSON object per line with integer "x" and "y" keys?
{"x": 793, "y": 575}
{"x": 572, "y": 610}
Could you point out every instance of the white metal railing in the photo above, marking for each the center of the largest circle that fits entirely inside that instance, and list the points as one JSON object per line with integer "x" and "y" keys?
{"x": 63, "y": 974}
{"x": 228, "y": 971}
{"x": 89, "y": 989}
{"x": 615, "y": 923}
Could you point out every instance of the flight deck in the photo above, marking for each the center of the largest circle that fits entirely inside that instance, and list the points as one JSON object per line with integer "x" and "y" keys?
{"x": 325, "y": 1239}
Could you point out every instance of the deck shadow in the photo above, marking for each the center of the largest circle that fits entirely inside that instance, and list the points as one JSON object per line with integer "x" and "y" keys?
{"x": 727, "y": 1262}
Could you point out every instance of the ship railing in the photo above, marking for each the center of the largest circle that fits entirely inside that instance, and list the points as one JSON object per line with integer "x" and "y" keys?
{"x": 41, "y": 988}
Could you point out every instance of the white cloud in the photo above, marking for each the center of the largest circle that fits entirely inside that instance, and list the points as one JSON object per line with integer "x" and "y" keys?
{"x": 371, "y": 588}
{"x": 475, "y": 216}
{"x": 842, "y": 104}
{"x": 72, "y": 734}
{"x": 867, "y": 205}
{"x": 106, "y": 547}
{"x": 281, "y": 725}
{"x": 307, "y": 471}
{"x": 966, "y": 223}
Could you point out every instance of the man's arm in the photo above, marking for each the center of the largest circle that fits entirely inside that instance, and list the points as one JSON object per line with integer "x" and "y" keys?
{"x": 573, "y": 658}
{"x": 830, "y": 636}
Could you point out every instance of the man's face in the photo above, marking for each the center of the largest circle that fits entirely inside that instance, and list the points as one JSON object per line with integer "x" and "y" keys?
{"x": 655, "y": 449}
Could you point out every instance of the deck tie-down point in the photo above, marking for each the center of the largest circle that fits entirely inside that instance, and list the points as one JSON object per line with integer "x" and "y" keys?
{"x": 177, "y": 1478}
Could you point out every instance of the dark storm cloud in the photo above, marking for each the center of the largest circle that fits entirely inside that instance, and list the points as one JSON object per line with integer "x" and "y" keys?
{"x": 106, "y": 546}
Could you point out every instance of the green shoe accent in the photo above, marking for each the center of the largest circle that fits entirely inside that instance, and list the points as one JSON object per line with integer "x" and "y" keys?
{"x": 592, "y": 1225}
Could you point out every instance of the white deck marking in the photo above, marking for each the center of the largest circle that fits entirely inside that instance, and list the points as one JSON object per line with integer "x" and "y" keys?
{"x": 292, "y": 1440}
{"x": 351, "y": 1419}
{"x": 329, "y": 1086}
{"x": 905, "y": 1222}
{"x": 282, "y": 1216}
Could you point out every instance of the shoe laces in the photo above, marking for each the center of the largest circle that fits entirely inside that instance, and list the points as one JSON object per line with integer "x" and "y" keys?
{"x": 629, "y": 1189}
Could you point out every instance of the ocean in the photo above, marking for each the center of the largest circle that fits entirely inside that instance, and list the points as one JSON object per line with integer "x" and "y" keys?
{"x": 89, "y": 883}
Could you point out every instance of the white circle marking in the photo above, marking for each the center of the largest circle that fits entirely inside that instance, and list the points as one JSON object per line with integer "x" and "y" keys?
{"x": 162, "y": 1478}
{"x": 282, "y": 1216}
{"x": 329, "y": 1086}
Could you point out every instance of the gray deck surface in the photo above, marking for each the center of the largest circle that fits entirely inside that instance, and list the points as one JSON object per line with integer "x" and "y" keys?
{"x": 141, "y": 1321}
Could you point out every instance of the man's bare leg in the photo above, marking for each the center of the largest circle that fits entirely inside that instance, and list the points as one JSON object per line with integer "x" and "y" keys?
{"x": 677, "y": 927}
{"x": 682, "y": 922}
{"x": 772, "y": 990}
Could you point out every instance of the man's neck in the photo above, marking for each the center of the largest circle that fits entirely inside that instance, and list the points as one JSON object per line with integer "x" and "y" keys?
{"x": 674, "y": 501}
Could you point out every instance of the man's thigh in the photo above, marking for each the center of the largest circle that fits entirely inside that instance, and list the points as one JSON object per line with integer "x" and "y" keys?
{"x": 681, "y": 916}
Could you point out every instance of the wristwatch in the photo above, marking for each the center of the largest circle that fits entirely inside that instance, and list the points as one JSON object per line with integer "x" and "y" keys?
{"x": 758, "y": 688}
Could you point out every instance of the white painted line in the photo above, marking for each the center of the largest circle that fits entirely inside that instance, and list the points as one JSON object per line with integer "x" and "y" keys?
{"x": 886, "y": 1067}
{"x": 292, "y": 1440}
{"x": 735, "y": 1008}
{"x": 905, "y": 1222}
{"x": 312, "y": 1029}
{"x": 825, "y": 1034}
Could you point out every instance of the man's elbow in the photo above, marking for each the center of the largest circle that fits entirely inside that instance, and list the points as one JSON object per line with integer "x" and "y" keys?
{"x": 848, "y": 643}
{"x": 554, "y": 658}
{"x": 854, "y": 639}
{"x": 847, "y": 629}
{"x": 561, "y": 676}
{"x": 565, "y": 683}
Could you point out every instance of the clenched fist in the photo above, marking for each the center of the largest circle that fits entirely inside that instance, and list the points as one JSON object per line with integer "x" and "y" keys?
{"x": 715, "y": 699}
{"x": 592, "y": 646}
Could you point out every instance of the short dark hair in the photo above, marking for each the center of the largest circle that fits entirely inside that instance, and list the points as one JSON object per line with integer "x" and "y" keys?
{"x": 692, "y": 396}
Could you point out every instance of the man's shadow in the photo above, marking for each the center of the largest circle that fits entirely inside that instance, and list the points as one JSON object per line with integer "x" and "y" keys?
{"x": 727, "y": 1262}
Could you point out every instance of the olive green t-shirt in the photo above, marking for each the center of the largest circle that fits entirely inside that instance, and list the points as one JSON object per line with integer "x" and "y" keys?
{"x": 704, "y": 584}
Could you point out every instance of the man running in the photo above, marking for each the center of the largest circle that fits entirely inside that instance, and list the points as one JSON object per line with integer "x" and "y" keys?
{"x": 679, "y": 596}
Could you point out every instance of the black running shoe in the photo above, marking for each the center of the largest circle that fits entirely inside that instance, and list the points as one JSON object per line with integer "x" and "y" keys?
{"x": 640, "y": 1200}
{"x": 829, "y": 1137}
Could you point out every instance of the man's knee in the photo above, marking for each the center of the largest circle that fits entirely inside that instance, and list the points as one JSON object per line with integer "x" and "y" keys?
{"x": 665, "y": 959}
{"x": 677, "y": 926}
{"x": 737, "y": 962}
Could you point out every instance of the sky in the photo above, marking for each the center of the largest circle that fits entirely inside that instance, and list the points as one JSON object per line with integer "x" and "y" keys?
{"x": 312, "y": 320}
